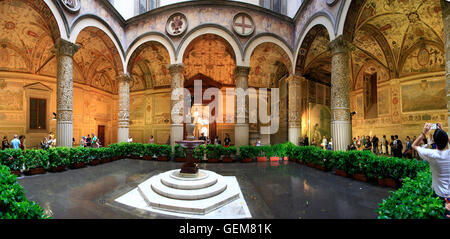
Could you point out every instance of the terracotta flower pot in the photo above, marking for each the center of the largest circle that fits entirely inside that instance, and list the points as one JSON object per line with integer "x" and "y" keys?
{"x": 274, "y": 159}
{"x": 115, "y": 158}
{"x": 247, "y": 160}
{"x": 213, "y": 160}
{"x": 341, "y": 173}
{"x": 94, "y": 162}
{"x": 180, "y": 159}
{"x": 360, "y": 177}
{"x": 310, "y": 165}
{"x": 147, "y": 157}
{"x": 227, "y": 160}
{"x": 34, "y": 171}
{"x": 134, "y": 157}
{"x": 163, "y": 158}
{"x": 320, "y": 167}
{"x": 261, "y": 159}
{"x": 293, "y": 160}
{"x": 105, "y": 160}
{"x": 58, "y": 169}
{"x": 77, "y": 165}
{"x": 15, "y": 172}
{"x": 301, "y": 162}
{"x": 387, "y": 182}
{"x": 285, "y": 158}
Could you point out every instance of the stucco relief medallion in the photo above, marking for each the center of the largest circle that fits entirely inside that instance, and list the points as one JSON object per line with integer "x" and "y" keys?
{"x": 243, "y": 24}
{"x": 72, "y": 6}
{"x": 177, "y": 24}
{"x": 423, "y": 57}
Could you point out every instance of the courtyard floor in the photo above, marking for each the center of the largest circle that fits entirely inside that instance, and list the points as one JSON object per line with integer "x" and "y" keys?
{"x": 284, "y": 190}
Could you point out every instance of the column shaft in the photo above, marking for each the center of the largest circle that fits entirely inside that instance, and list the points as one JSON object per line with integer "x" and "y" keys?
{"x": 241, "y": 130}
{"x": 341, "y": 126}
{"x": 64, "y": 51}
{"x": 446, "y": 20}
{"x": 177, "y": 107}
{"x": 295, "y": 108}
{"x": 124, "y": 108}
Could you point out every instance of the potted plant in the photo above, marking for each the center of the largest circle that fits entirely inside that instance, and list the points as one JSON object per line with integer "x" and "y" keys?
{"x": 13, "y": 159}
{"x": 341, "y": 162}
{"x": 247, "y": 153}
{"x": 149, "y": 151}
{"x": 198, "y": 154}
{"x": 180, "y": 153}
{"x": 36, "y": 161}
{"x": 271, "y": 153}
{"x": 227, "y": 153}
{"x": 77, "y": 157}
{"x": 163, "y": 152}
{"x": 213, "y": 153}
{"x": 261, "y": 153}
{"x": 357, "y": 164}
{"x": 58, "y": 159}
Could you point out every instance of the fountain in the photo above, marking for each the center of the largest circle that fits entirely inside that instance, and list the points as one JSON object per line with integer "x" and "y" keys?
{"x": 189, "y": 168}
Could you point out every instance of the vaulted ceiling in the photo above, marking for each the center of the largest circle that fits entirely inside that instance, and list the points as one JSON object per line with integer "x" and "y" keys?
{"x": 268, "y": 64}
{"x": 97, "y": 62}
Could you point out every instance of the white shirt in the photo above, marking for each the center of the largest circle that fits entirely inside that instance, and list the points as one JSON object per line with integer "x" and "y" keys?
{"x": 130, "y": 140}
{"x": 439, "y": 161}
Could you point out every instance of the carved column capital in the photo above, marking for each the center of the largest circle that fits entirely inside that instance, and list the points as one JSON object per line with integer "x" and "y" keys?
{"x": 176, "y": 68}
{"x": 122, "y": 77}
{"x": 241, "y": 71}
{"x": 340, "y": 45}
{"x": 65, "y": 48}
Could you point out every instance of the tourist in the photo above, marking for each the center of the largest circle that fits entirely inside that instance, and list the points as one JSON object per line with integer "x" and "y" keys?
{"x": 217, "y": 141}
{"x": 44, "y": 144}
{"x": 208, "y": 140}
{"x": 258, "y": 142}
{"x": 375, "y": 145}
{"x": 151, "y": 140}
{"x": 22, "y": 139}
{"x": 439, "y": 161}
{"x": 202, "y": 137}
{"x": 168, "y": 140}
{"x": 83, "y": 142}
{"x": 408, "y": 149}
{"x": 94, "y": 140}
{"x": 392, "y": 145}
{"x": 324, "y": 143}
{"x": 368, "y": 144}
{"x": 398, "y": 147}
{"x": 88, "y": 141}
{"x": 330, "y": 144}
{"x": 50, "y": 141}
{"x": 130, "y": 139}
{"x": 227, "y": 140}
{"x": 5, "y": 143}
{"x": 363, "y": 141}
{"x": 306, "y": 140}
{"x": 384, "y": 145}
{"x": 314, "y": 143}
{"x": 15, "y": 143}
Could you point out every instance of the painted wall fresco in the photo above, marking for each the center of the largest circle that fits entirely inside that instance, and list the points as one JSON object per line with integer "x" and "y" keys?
{"x": 383, "y": 101}
{"x": 221, "y": 15}
{"x": 429, "y": 94}
{"x": 319, "y": 118}
{"x": 11, "y": 96}
{"x": 424, "y": 59}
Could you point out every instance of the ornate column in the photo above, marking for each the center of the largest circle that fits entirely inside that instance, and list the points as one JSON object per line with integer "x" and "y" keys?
{"x": 341, "y": 125}
{"x": 446, "y": 20}
{"x": 241, "y": 130}
{"x": 177, "y": 79}
{"x": 124, "y": 107}
{"x": 295, "y": 108}
{"x": 64, "y": 51}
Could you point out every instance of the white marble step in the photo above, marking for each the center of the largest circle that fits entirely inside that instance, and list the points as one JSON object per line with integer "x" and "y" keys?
{"x": 168, "y": 180}
{"x": 200, "y": 207}
{"x": 187, "y": 194}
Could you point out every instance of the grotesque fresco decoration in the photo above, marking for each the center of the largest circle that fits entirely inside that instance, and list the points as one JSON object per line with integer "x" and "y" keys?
{"x": 11, "y": 98}
{"x": 97, "y": 60}
{"x": 211, "y": 56}
{"x": 266, "y": 60}
{"x": 429, "y": 94}
{"x": 148, "y": 67}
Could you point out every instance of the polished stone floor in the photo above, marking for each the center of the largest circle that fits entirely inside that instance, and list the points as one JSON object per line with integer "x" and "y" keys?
{"x": 284, "y": 190}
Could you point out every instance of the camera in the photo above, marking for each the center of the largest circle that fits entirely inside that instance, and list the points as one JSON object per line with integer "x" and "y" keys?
{"x": 433, "y": 126}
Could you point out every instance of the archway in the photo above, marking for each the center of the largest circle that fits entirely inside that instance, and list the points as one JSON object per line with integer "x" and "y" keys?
{"x": 96, "y": 65}
{"x": 211, "y": 59}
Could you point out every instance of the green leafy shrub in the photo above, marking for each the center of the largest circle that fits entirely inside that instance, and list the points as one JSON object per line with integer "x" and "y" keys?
{"x": 414, "y": 200}
{"x": 13, "y": 203}
{"x": 280, "y": 150}
{"x": 78, "y": 155}
{"x": 136, "y": 149}
{"x": 12, "y": 158}
{"x": 248, "y": 152}
{"x": 58, "y": 156}
{"x": 150, "y": 149}
{"x": 180, "y": 152}
{"x": 228, "y": 152}
{"x": 199, "y": 152}
{"x": 35, "y": 158}
{"x": 213, "y": 151}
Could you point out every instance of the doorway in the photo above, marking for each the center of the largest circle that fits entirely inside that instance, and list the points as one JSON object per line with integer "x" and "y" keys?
{"x": 101, "y": 134}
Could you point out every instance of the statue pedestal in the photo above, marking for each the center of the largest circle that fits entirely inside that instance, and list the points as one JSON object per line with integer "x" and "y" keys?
{"x": 189, "y": 167}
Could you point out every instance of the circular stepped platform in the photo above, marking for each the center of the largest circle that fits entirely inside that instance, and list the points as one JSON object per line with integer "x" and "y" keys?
{"x": 193, "y": 195}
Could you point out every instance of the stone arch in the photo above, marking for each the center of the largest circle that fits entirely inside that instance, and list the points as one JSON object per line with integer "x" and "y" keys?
{"x": 319, "y": 18}
{"x": 85, "y": 21}
{"x": 60, "y": 19}
{"x": 151, "y": 37}
{"x": 215, "y": 30}
{"x": 260, "y": 39}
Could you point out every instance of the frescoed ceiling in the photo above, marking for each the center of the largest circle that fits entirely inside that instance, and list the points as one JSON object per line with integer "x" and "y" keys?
{"x": 268, "y": 64}
{"x": 28, "y": 31}
{"x": 148, "y": 67}
{"x": 314, "y": 61}
{"x": 402, "y": 37}
{"x": 97, "y": 62}
{"x": 211, "y": 56}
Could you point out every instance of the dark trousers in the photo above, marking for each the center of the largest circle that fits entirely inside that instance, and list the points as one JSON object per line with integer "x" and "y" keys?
{"x": 446, "y": 213}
